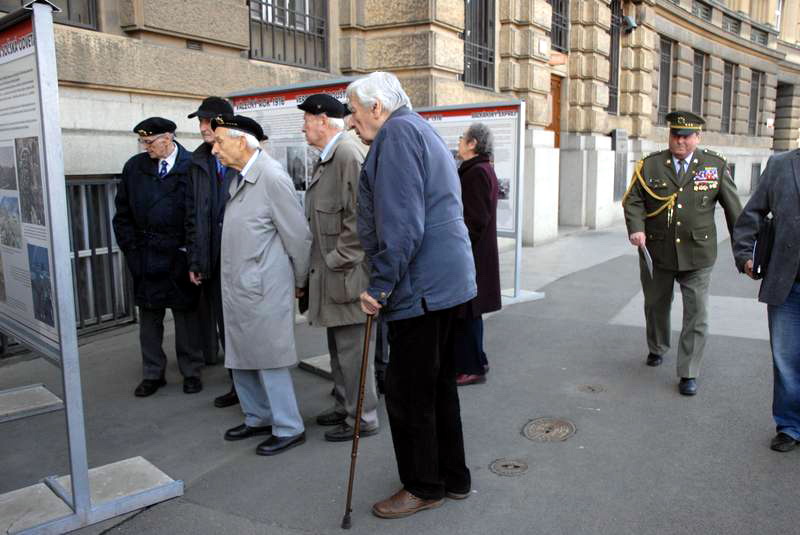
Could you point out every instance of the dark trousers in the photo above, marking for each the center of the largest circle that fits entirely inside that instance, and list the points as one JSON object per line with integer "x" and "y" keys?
{"x": 212, "y": 325}
{"x": 470, "y": 357}
{"x": 422, "y": 404}
{"x": 187, "y": 345}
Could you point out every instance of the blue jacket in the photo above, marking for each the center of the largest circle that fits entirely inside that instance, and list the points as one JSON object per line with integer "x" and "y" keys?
{"x": 411, "y": 221}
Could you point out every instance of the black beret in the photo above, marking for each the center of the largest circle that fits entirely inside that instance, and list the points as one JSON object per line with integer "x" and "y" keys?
{"x": 684, "y": 123}
{"x": 213, "y": 107}
{"x": 241, "y": 123}
{"x": 322, "y": 103}
{"x": 154, "y": 126}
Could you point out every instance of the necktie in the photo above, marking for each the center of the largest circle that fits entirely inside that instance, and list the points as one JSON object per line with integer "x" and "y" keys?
{"x": 220, "y": 169}
{"x": 163, "y": 171}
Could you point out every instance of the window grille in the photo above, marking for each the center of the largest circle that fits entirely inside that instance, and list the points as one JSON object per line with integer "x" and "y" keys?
{"x": 759, "y": 36}
{"x": 727, "y": 98}
{"x": 698, "y": 83}
{"x": 613, "y": 82}
{"x": 559, "y": 33}
{"x": 702, "y": 10}
{"x": 755, "y": 101}
{"x": 664, "y": 80}
{"x": 81, "y": 13}
{"x": 730, "y": 24}
{"x": 294, "y": 32}
{"x": 479, "y": 43}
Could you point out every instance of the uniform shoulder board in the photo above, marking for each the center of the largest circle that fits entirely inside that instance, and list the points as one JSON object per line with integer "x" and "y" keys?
{"x": 654, "y": 153}
{"x": 715, "y": 154}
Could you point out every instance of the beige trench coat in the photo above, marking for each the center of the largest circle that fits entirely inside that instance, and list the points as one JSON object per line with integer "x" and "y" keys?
{"x": 265, "y": 254}
{"x": 338, "y": 264}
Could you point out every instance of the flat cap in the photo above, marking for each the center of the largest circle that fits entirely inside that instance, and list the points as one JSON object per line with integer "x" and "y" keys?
{"x": 684, "y": 123}
{"x": 323, "y": 103}
{"x": 212, "y": 107}
{"x": 241, "y": 123}
{"x": 154, "y": 126}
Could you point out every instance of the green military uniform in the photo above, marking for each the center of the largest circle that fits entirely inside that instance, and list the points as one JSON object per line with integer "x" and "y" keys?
{"x": 675, "y": 210}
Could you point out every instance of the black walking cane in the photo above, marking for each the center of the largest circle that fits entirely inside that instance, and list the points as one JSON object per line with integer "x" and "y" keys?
{"x": 357, "y": 426}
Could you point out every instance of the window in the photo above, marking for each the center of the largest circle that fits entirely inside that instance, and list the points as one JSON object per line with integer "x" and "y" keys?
{"x": 559, "y": 37}
{"x": 613, "y": 82}
{"x": 759, "y": 36}
{"x": 755, "y": 102}
{"x": 664, "y": 79}
{"x": 698, "y": 82}
{"x": 730, "y": 24}
{"x": 479, "y": 43}
{"x": 82, "y": 13}
{"x": 755, "y": 175}
{"x": 702, "y": 10}
{"x": 294, "y": 32}
{"x": 727, "y": 98}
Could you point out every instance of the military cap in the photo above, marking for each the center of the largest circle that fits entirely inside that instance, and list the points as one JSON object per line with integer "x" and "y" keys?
{"x": 212, "y": 107}
{"x": 684, "y": 123}
{"x": 322, "y": 103}
{"x": 154, "y": 126}
{"x": 241, "y": 123}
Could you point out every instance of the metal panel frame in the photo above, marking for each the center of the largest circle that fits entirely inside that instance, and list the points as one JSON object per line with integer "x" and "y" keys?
{"x": 83, "y": 513}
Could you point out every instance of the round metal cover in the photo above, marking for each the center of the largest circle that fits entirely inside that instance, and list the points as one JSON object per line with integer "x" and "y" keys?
{"x": 591, "y": 389}
{"x": 548, "y": 430}
{"x": 508, "y": 467}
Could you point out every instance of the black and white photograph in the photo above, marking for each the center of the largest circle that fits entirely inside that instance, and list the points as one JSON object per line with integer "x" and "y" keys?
{"x": 8, "y": 173}
{"x": 503, "y": 188}
{"x": 296, "y": 167}
{"x": 10, "y": 228}
{"x": 41, "y": 286}
{"x": 29, "y": 174}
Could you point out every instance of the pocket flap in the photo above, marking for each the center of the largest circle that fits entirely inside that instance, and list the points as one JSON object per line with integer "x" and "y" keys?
{"x": 702, "y": 234}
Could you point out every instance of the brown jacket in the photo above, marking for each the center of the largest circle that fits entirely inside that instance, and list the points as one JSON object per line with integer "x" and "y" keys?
{"x": 339, "y": 271}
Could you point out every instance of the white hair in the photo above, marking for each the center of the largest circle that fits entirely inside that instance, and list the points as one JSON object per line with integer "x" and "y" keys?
{"x": 383, "y": 87}
{"x": 252, "y": 142}
{"x": 336, "y": 122}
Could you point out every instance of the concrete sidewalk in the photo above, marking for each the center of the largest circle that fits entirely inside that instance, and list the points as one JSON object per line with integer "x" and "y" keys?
{"x": 644, "y": 460}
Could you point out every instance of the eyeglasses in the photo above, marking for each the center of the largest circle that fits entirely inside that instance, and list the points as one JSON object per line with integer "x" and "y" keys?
{"x": 148, "y": 142}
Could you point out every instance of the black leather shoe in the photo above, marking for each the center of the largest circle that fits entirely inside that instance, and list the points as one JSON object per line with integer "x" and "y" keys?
{"x": 275, "y": 445}
{"x": 226, "y": 400}
{"x": 654, "y": 360}
{"x": 331, "y": 418}
{"x": 148, "y": 387}
{"x": 345, "y": 432}
{"x": 192, "y": 385}
{"x": 783, "y": 443}
{"x": 241, "y": 432}
{"x": 687, "y": 386}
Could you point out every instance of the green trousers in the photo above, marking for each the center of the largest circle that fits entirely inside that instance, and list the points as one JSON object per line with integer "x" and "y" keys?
{"x": 658, "y": 293}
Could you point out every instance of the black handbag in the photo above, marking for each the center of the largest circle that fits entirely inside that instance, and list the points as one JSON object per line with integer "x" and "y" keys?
{"x": 762, "y": 248}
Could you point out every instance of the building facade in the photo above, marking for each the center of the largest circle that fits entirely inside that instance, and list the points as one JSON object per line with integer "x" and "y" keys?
{"x": 598, "y": 76}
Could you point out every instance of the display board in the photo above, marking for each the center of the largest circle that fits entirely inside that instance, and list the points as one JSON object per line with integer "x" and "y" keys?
{"x": 276, "y": 111}
{"x": 504, "y": 120}
{"x": 28, "y": 300}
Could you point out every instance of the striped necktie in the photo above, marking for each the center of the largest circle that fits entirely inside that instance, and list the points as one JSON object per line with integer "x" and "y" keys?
{"x": 163, "y": 171}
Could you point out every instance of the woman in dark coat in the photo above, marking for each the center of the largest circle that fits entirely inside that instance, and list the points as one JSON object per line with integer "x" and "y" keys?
{"x": 479, "y": 193}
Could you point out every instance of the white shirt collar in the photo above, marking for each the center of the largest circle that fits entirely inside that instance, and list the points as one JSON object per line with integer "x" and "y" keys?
{"x": 250, "y": 163}
{"x": 329, "y": 147}
{"x": 676, "y": 161}
{"x": 169, "y": 159}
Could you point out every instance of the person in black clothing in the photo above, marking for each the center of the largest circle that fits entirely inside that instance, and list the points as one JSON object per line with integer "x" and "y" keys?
{"x": 149, "y": 226}
{"x": 205, "y": 209}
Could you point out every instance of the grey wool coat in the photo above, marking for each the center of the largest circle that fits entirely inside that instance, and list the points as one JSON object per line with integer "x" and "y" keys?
{"x": 778, "y": 192}
{"x": 265, "y": 254}
{"x": 339, "y": 270}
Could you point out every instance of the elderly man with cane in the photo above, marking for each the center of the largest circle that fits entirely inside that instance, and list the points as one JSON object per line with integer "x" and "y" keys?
{"x": 411, "y": 225}
{"x": 266, "y": 246}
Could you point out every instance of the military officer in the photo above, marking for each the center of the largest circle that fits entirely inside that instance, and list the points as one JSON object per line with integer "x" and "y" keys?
{"x": 669, "y": 210}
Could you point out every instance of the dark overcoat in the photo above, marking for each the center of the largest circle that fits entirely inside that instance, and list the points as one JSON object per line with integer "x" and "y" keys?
{"x": 479, "y": 193}
{"x": 205, "y": 208}
{"x": 778, "y": 192}
{"x": 149, "y": 226}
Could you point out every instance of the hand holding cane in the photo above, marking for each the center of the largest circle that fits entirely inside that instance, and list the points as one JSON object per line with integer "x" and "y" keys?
{"x": 357, "y": 426}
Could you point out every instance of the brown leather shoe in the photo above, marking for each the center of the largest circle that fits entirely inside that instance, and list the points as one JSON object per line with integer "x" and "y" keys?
{"x": 403, "y": 504}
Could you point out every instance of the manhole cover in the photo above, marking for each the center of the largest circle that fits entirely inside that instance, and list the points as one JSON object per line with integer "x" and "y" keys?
{"x": 548, "y": 430}
{"x": 508, "y": 467}
{"x": 591, "y": 389}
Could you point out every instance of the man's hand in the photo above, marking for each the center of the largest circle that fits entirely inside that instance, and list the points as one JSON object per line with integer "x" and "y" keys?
{"x": 196, "y": 278}
{"x": 748, "y": 269}
{"x": 637, "y": 239}
{"x": 369, "y": 305}
{"x": 299, "y": 292}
